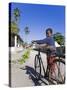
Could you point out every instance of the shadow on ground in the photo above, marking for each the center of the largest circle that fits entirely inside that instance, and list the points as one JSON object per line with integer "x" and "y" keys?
{"x": 32, "y": 75}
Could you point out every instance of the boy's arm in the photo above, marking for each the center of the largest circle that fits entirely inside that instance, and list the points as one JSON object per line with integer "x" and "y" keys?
{"x": 38, "y": 41}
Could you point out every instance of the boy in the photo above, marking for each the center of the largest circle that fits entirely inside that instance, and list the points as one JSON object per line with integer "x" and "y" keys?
{"x": 48, "y": 43}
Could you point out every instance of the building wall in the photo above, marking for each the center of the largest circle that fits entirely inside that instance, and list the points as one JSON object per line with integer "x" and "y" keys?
{"x": 16, "y": 44}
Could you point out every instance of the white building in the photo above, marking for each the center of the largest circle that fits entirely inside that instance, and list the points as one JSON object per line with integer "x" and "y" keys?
{"x": 15, "y": 43}
{"x": 56, "y": 44}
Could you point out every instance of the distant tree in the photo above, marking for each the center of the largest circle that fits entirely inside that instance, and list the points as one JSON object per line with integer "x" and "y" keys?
{"x": 27, "y": 31}
{"x": 16, "y": 14}
{"x": 59, "y": 38}
{"x": 14, "y": 28}
{"x": 14, "y": 22}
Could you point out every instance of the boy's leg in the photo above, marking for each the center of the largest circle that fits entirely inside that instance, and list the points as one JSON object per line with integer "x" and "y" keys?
{"x": 52, "y": 66}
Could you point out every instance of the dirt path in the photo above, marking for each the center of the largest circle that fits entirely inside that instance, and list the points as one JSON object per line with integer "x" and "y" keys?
{"x": 24, "y": 75}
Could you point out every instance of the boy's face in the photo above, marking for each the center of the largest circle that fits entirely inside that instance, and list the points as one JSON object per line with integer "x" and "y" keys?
{"x": 49, "y": 34}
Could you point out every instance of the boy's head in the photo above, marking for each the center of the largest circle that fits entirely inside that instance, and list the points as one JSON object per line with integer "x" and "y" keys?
{"x": 49, "y": 32}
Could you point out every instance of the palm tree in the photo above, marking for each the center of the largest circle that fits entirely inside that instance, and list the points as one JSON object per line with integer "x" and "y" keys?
{"x": 26, "y": 30}
{"x": 16, "y": 14}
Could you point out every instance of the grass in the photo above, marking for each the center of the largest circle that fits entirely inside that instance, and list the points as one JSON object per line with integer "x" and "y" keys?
{"x": 25, "y": 56}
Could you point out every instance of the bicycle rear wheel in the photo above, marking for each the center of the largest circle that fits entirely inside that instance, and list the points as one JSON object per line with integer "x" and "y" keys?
{"x": 59, "y": 71}
{"x": 37, "y": 66}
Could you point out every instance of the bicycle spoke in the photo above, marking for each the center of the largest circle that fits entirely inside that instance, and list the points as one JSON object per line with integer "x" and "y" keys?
{"x": 37, "y": 67}
{"x": 59, "y": 75}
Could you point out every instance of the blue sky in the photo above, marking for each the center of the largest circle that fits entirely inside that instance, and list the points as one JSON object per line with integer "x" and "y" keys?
{"x": 38, "y": 18}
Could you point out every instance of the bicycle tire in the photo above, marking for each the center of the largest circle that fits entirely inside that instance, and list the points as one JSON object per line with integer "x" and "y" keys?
{"x": 37, "y": 66}
{"x": 61, "y": 78}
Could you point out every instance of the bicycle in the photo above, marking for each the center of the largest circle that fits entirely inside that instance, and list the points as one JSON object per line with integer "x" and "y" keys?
{"x": 38, "y": 65}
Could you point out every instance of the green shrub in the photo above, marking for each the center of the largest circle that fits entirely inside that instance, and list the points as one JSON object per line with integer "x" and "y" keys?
{"x": 25, "y": 56}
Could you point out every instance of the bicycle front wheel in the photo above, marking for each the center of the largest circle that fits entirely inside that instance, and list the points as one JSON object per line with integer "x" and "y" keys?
{"x": 37, "y": 66}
